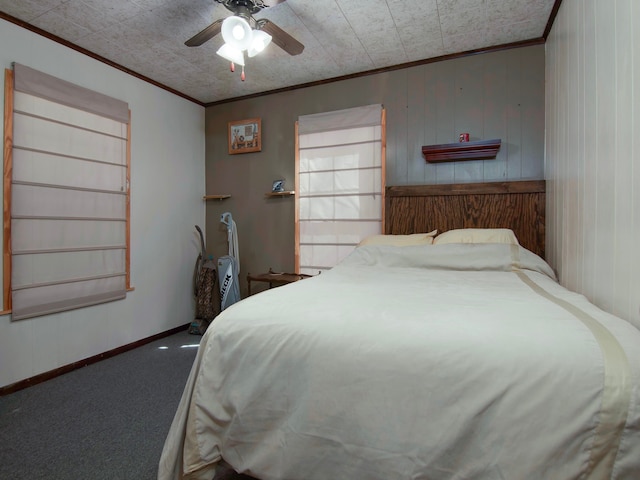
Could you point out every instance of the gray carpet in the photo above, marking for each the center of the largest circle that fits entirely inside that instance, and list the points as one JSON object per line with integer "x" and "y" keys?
{"x": 105, "y": 421}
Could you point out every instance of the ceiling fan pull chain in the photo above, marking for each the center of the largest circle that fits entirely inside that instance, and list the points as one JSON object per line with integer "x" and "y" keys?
{"x": 232, "y": 67}
{"x": 242, "y": 77}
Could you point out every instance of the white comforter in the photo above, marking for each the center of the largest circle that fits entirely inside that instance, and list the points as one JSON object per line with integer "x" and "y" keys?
{"x": 435, "y": 362}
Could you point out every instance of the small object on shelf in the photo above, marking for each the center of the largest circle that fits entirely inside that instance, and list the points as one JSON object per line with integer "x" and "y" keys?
{"x": 215, "y": 197}
{"x": 278, "y": 186}
{"x": 464, "y": 137}
{"x": 454, "y": 152}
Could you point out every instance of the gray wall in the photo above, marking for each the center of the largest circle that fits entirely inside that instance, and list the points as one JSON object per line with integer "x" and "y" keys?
{"x": 493, "y": 95}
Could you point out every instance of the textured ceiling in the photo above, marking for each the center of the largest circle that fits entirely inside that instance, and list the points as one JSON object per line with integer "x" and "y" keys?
{"x": 341, "y": 37}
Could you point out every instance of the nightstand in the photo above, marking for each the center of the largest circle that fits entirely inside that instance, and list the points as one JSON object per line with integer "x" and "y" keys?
{"x": 274, "y": 278}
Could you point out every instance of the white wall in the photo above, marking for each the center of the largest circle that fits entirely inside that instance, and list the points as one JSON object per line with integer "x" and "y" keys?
{"x": 593, "y": 151}
{"x": 167, "y": 185}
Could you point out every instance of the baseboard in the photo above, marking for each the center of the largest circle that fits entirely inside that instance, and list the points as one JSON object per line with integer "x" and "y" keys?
{"x": 28, "y": 382}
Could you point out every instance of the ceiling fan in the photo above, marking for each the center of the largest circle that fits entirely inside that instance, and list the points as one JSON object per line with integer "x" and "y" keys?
{"x": 246, "y": 9}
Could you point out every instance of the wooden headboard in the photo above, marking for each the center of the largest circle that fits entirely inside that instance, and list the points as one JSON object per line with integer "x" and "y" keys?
{"x": 518, "y": 205}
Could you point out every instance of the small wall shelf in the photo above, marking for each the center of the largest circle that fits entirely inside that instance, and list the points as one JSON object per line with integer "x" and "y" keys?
{"x": 215, "y": 197}
{"x": 286, "y": 193}
{"x": 455, "y": 152}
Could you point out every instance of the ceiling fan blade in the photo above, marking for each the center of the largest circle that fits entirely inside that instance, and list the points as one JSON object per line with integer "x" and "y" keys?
{"x": 204, "y": 35}
{"x": 281, "y": 38}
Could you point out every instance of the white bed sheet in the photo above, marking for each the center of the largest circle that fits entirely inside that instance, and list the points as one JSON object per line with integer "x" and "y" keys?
{"x": 429, "y": 362}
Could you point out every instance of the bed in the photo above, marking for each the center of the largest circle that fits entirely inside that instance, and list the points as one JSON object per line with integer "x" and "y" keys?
{"x": 449, "y": 356}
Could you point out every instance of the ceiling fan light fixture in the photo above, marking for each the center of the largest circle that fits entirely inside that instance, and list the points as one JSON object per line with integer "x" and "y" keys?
{"x": 259, "y": 42}
{"x": 231, "y": 53}
{"x": 236, "y": 32}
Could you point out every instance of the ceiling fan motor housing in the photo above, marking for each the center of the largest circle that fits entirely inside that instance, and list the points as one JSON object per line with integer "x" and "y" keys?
{"x": 243, "y": 8}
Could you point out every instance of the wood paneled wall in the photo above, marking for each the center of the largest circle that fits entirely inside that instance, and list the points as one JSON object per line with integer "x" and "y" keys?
{"x": 593, "y": 152}
{"x": 493, "y": 95}
{"x": 496, "y": 95}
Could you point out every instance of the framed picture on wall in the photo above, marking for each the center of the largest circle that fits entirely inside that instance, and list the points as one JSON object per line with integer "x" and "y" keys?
{"x": 245, "y": 136}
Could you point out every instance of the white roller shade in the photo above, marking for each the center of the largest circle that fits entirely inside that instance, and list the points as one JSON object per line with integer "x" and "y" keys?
{"x": 68, "y": 196}
{"x": 341, "y": 184}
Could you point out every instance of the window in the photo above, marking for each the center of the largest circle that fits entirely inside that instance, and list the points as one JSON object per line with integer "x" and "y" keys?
{"x": 66, "y": 193}
{"x": 340, "y": 165}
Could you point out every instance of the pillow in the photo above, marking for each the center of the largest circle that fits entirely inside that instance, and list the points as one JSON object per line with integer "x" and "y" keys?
{"x": 400, "y": 240}
{"x": 477, "y": 235}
